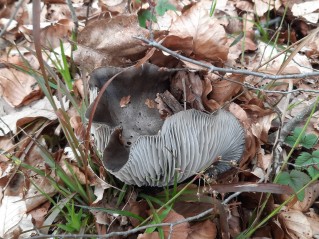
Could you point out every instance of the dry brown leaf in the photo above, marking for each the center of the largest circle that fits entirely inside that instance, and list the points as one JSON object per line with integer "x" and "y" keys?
{"x": 125, "y": 100}
{"x": 6, "y": 143}
{"x": 209, "y": 37}
{"x": 307, "y": 10}
{"x": 40, "y": 108}
{"x": 296, "y": 224}
{"x": 39, "y": 214}
{"x": 193, "y": 88}
{"x": 138, "y": 208}
{"x": 313, "y": 218}
{"x": 203, "y": 230}
{"x": 210, "y": 104}
{"x": 71, "y": 169}
{"x": 244, "y": 6}
{"x": 52, "y": 35}
{"x": 263, "y": 6}
{"x": 55, "y": 12}
{"x": 150, "y": 103}
{"x": 261, "y": 127}
{"x": 110, "y": 42}
{"x": 13, "y": 217}
{"x": 311, "y": 195}
{"x": 114, "y": 6}
{"x": 18, "y": 88}
{"x": 77, "y": 125}
{"x": 180, "y": 231}
{"x": 224, "y": 90}
{"x": 153, "y": 235}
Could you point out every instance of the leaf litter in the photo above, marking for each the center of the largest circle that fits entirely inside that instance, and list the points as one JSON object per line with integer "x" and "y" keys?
{"x": 235, "y": 36}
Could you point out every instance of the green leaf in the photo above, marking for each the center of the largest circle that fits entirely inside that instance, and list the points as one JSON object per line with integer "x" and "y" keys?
{"x": 306, "y": 159}
{"x": 237, "y": 39}
{"x": 163, "y": 6}
{"x": 212, "y": 8}
{"x": 296, "y": 180}
{"x": 309, "y": 141}
{"x": 145, "y": 15}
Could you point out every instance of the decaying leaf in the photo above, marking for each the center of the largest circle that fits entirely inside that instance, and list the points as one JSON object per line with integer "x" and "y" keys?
{"x": 150, "y": 103}
{"x": 203, "y": 230}
{"x": 109, "y": 42}
{"x": 40, "y": 108}
{"x": 17, "y": 87}
{"x": 180, "y": 231}
{"x": 125, "y": 100}
{"x": 296, "y": 224}
{"x": 13, "y": 218}
{"x": 311, "y": 195}
{"x": 224, "y": 90}
{"x": 208, "y": 36}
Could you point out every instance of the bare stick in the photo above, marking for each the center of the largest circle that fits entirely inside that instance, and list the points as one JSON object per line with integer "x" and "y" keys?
{"x": 290, "y": 125}
{"x": 212, "y": 68}
{"x": 184, "y": 89}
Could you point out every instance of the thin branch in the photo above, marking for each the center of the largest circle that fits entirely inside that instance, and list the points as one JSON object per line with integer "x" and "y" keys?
{"x": 290, "y": 125}
{"x": 211, "y": 68}
{"x": 135, "y": 230}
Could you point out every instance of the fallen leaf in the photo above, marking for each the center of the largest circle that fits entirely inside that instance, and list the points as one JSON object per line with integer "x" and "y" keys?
{"x": 265, "y": 6}
{"x": 125, "y": 100}
{"x": 306, "y": 10}
{"x": 18, "y": 88}
{"x": 311, "y": 195}
{"x": 209, "y": 104}
{"x": 40, "y": 213}
{"x": 313, "y": 219}
{"x": 26, "y": 114}
{"x": 203, "y": 230}
{"x": 180, "y": 231}
{"x": 13, "y": 215}
{"x": 209, "y": 37}
{"x": 224, "y": 90}
{"x": 109, "y": 42}
{"x": 295, "y": 224}
{"x": 150, "y": 103}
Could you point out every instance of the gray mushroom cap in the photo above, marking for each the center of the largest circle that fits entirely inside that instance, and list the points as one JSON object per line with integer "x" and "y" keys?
{"x": 141, "y": 149}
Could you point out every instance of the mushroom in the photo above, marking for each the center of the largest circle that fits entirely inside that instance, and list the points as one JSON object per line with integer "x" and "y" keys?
{"x": 186, "y": 143}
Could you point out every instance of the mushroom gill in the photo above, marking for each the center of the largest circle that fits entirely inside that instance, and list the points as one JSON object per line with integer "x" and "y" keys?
{"x": 189, "y": 142}
{"x": 140, "y": 149}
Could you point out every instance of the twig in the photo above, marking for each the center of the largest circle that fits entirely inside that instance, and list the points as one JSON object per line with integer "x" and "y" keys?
{"x": 184, "y": 89}
{"x": 135, "y": 230}
{"x": 290, "y": 125}
{"x": 212, "y": 68}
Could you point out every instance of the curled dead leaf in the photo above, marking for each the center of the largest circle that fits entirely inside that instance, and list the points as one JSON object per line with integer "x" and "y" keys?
{"x": 18, "y": 88}
{"x": 203, "y": 230}
{"x": 125, "y": 100}
{"x": 109, "y": 42}
{"x": 296, "y": 224}
{"x": 150, "y": 103}
{"x": 225, "y": 90}
{"x": 209, "y": 37}
{"x": 180, "y": 231}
